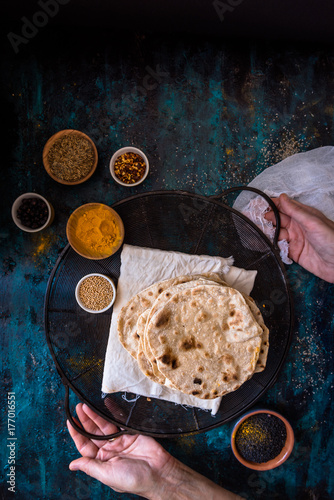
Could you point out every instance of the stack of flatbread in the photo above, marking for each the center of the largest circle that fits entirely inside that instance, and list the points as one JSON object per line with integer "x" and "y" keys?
{"x": 195, "y": 334}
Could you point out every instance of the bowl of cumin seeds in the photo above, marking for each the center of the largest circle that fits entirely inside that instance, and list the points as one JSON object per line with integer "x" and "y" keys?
{"x": 70, "y": 157}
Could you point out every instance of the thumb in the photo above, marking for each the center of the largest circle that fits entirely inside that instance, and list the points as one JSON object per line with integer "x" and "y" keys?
{"x": 92, "y": 467}
{"x": 295, "y": 209}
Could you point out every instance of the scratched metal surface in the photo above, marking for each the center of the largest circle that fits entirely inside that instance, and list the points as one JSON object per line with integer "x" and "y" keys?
{"x": 209, "y": 115}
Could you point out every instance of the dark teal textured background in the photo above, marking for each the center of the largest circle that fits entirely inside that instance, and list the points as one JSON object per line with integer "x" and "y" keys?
{"x": 209, "y": 115}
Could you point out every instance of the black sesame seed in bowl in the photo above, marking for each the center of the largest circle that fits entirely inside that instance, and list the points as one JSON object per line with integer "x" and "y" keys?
{"x": 262, "y": 439}
{"x": 31, "y": 212}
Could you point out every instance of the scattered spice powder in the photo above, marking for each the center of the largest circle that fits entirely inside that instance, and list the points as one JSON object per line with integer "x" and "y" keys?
{"x": 261, "y": 437}
{"x": 95, "y": 293}
{"x": 71, "y": 158}
{"x": 129, "y": 167}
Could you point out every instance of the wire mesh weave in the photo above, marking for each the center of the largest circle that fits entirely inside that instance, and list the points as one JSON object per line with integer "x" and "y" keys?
{"x": 169, "y": 221}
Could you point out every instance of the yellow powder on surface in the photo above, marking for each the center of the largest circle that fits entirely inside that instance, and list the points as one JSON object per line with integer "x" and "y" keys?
{"x": 42, "y": 245}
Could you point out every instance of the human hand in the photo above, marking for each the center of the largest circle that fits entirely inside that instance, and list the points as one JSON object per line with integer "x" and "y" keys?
{"x": 130, "y": 463}
{"x": 310, "y": 235}
{"x": 137, "y": 464}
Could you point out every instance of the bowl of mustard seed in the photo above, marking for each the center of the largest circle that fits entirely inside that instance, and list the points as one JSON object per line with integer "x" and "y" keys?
{"x": 95, "y": 293}
{"x": 70, "y": 157}
{"x": 129, "y": 166}
{"x": 262, "y": 440}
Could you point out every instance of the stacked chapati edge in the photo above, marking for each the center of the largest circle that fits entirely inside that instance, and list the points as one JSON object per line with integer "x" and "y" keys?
{"x": 195, "y": 334}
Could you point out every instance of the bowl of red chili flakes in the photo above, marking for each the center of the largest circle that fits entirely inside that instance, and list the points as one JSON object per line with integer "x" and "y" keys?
{"x": 129, "y": 166}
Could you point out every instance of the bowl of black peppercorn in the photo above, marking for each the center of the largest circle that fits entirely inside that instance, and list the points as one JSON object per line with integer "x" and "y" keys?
{"x": 262, "y": 439}
{"x": 31, "y": 212}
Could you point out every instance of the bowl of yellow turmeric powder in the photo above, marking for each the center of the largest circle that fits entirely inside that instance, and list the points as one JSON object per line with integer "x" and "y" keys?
{"x": 95, "y": 231}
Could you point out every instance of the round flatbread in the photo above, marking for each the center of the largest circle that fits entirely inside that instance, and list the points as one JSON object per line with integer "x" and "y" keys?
{"x": 205, "y": 340}
{"x": 129, "y": 314}
{"x": 137, "y": 315}
{"x": 147, "y": 366}
{"x": 146, "y": 360}
{"x": 262, "y": 360}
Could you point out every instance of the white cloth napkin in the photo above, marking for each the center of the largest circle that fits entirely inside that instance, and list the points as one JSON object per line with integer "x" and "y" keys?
{"x": 307, "y": 177}
{"x": 140, "y": 268}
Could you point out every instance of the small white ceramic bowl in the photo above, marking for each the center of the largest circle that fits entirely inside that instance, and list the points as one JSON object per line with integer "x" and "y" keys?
{"x": 92, "y": 310}
{"x": 128, "y": 149}
{"x": 17, "y": 204}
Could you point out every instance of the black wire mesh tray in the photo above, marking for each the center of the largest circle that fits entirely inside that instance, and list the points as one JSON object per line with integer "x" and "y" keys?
{"x": 168, "y": 220}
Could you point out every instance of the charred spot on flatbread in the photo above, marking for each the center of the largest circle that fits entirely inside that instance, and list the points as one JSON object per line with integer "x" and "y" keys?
{"x": 166, "y": 359}
{"x": 227, "y": 358}
{"x": 187, "y": 343}
{"x": 169, "y": 359}
{"x": 162, "y": 319}
{"x": 175, "y": 363}
{"x": 237, "y": 320}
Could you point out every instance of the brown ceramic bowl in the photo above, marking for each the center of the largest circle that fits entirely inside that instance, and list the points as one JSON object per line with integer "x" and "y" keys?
{"x": 52, "y": 140}
{"x": 79, "y": 246}
{"x": 271, "y": 464}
